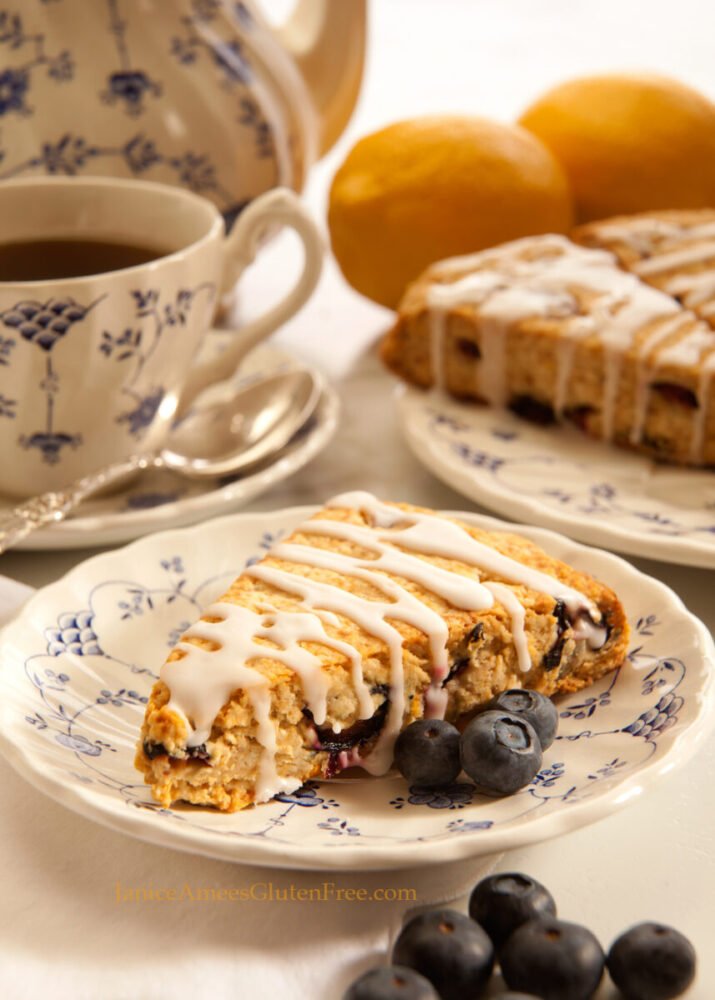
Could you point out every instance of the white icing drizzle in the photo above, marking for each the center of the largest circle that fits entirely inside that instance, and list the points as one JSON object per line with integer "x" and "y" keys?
{"x": 689, "y": 349}
{"x": 690, "y": 352}
{"x": 539, "y": 276}
{"x": 676, "y": 258}
{"x": 644, "y": 371}
{"x": 431, "y": 535}
{"x": 640, "y": 235}
{"x": 693, "y": 289}
{"x": 201, "y": 681}
{"x": 461, "y": 591}
{"x": 580, "y": 328}
{"x": 371, "y": 617}
{"x": 509, "y": 601}
{"x": 491, "y": 372}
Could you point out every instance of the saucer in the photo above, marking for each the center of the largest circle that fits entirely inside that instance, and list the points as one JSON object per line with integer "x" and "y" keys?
{"x": 78, "y": 663}
{"x": 161, "y": 499}
{"x": 558, "y": 478}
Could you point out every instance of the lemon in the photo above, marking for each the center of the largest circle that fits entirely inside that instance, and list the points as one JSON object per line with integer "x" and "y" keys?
{"x": 421, "y": 190}
{"x": 629, "y": 143}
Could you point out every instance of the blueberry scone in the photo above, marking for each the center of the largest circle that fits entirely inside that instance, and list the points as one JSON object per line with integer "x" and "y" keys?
{"x": 560, "y": 332}
{"x": 672, "y": 250}
{"x": 369, "y": 616}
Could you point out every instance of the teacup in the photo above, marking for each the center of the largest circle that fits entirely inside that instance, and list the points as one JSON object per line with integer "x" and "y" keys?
{"x": 93, "y": 368}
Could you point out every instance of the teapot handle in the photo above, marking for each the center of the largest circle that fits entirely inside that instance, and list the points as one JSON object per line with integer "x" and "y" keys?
{"x": 326, "y": 38}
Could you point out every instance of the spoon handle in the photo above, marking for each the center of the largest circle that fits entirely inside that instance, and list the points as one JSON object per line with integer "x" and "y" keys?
{"x": 55, "y": 505}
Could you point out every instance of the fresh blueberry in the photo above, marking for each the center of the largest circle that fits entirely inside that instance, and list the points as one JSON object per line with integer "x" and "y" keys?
{"x": 427, "y": 753}
{"x": 651, "y": 962}
{"x": 501, "y": 903}
{"x": 533, "y": 706}
{"x": 449, "y": 949}
{"x": 561, "y": 961}
{"x": 392, "y": 982}
{"x": 500, "y": 751}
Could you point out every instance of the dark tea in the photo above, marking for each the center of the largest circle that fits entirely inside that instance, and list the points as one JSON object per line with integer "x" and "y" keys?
{"x": 44, "y": 260}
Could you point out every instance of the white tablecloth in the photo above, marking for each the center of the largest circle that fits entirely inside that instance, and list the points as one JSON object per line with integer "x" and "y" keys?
{"x": 62, "y": 933}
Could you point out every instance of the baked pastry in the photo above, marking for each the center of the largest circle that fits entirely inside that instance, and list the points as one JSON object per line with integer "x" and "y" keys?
{"x": 369, "y": 616}
{"x": 673, "y": 251}
{"x": 555, "y": 332}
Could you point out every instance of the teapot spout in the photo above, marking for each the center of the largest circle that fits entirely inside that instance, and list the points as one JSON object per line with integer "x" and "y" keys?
{"x": 326, "y": 38}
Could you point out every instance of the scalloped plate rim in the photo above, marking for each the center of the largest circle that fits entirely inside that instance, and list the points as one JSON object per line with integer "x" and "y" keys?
{"x": 138, "y": 823}
{"x": 122, "y": 527}
{"x": 682, "y": 551}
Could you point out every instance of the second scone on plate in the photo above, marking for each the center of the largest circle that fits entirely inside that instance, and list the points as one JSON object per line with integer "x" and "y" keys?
{"x": 369, "y": 616}
{"x": 560, "y": 332}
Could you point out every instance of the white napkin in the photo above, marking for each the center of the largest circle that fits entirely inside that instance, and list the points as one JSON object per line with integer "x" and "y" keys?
{"x": 64, "y": 933}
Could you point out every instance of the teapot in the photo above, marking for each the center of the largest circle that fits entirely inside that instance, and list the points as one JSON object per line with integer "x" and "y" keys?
{"x": 199, "y": 93}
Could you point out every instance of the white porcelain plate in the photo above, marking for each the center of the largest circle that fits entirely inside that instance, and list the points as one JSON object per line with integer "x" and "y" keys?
{"x": 77, "y": 665}
{"x": 161, "y": 499}
{"x": 561, "y": 479}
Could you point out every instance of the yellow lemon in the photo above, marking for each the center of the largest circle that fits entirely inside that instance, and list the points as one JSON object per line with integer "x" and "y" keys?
{"x": 629, "y": 143}
{"x": 421, "y": 190}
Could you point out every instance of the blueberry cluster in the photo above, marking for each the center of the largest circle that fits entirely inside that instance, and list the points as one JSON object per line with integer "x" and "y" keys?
{"x": 446, "y": 955}
{"x": 501, "y": 748}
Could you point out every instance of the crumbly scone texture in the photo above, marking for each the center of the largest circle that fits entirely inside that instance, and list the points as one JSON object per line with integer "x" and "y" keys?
{"x": 482, "y": 659}
{"x": 532, "y": 351}
{"x": 639, "y": 240}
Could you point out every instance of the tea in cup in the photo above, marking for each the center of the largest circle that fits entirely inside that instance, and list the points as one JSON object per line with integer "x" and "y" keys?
{"x": 107, "y": 289}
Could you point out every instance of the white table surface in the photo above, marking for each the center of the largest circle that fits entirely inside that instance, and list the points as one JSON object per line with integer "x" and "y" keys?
{"x": 657, "y": 858}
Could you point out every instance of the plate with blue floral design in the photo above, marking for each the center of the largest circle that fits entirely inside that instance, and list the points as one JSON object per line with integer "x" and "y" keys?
{"x": 80, "y": 659}
{"x": 160, "y": 499}
{"x": 558, "y": 478}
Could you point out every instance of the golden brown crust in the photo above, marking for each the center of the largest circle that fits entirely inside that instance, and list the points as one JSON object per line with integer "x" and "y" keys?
{"x": 482, "y": 666}
{"x": 533, "y": 351}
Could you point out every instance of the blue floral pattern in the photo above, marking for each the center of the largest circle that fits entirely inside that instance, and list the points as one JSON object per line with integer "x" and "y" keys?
{"x": 127, "y": 86}
{"x": 13, "y": 88}
{"x": 74, "y": 634}
{"x": 43, "y": 324}
{"x": 656, "y": 720}
{"x": 142, "y": 416}
{"x": 231, "y": 63}
{"x": 148, "y": 500}
{"x": 31, "y": 53}
{"x": 69, "y": 155}
{"x": 86, "y": 684}
{"x": 137, "y": 343}
{"x": 454, "y": 796}
{"x": 130, "y": 87}
{"x": 558, "y": 471}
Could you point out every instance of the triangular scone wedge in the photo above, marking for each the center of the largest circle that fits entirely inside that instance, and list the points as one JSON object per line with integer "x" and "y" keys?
{"x": 670, "y": 250}
{"x": 559, "y": 332}
{"x": 368, "y": 616}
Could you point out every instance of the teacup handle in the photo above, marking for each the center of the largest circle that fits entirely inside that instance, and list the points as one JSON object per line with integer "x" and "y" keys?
{"x": 278, "y": 207}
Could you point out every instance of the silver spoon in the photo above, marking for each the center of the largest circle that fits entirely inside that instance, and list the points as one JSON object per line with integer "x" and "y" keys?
{"x": 222, "y": 439}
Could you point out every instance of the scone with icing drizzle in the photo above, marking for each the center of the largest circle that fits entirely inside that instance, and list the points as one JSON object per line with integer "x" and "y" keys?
{"x": 369, "y": 616}
{"x": 673, "y": 251}
{"x": 560, "y": 332}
